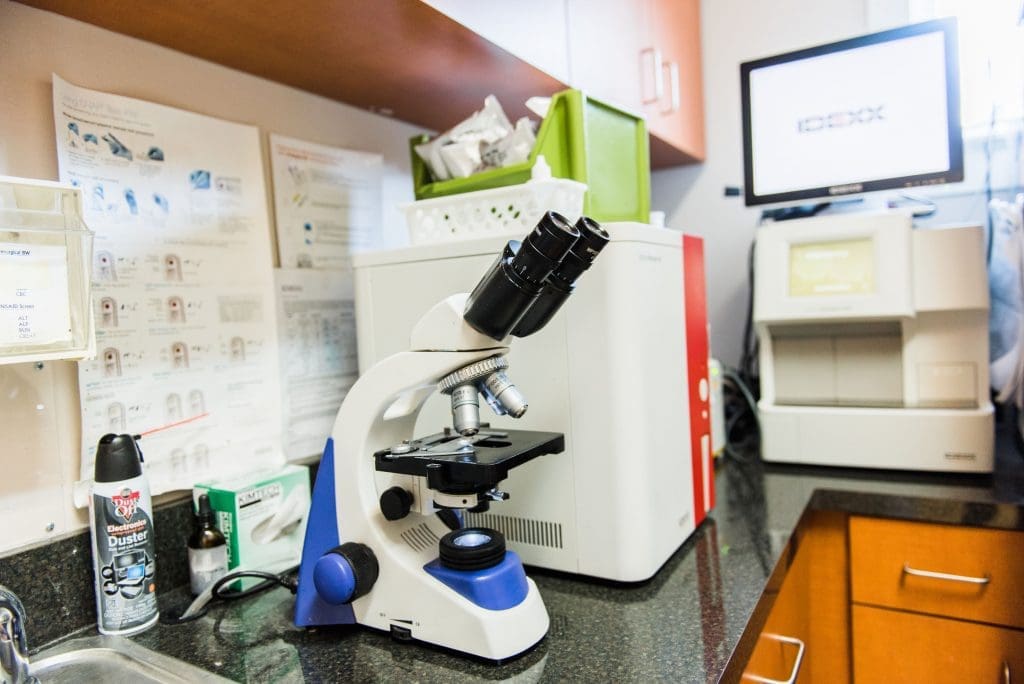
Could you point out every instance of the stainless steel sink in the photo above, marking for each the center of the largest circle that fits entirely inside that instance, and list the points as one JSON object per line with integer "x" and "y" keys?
{"x": 112, "y": 660}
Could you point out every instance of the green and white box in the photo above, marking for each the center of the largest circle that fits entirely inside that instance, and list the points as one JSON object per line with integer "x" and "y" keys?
{"x": 263, "y": 517}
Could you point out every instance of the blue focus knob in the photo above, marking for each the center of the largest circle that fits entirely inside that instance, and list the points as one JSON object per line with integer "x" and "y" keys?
{"x": 345, "y": 573}
{"x": 334, "y": 579}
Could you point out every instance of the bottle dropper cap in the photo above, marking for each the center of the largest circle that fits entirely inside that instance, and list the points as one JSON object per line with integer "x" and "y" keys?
{"x": 205, "y": 514}
{"x": 117, "y": 458}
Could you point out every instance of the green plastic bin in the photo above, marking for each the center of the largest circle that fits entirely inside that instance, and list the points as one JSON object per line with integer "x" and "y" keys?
{"x": 583, "y": 139}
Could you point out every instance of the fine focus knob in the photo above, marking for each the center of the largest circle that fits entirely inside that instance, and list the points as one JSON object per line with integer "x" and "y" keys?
{"x": 395, "y": 503}
{"x": 345, "y": 573}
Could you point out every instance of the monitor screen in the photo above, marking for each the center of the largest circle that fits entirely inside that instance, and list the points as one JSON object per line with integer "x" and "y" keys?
{"x": 872, "y": 113}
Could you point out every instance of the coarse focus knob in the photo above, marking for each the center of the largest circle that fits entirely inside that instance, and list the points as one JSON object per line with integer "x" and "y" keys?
{"x": 395, "y": 503}
{"x": 345, "y": 573}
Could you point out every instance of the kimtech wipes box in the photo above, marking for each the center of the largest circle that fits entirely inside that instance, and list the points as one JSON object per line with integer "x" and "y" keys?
{"x": 263, "y": 517}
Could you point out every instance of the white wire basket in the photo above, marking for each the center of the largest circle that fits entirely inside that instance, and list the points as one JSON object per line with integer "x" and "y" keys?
{"x": 510, "y": 210}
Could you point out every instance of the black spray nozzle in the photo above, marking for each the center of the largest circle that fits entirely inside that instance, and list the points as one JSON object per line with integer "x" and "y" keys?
{"x": 517, "y": 278}
{"x": 117, "y": 458}
{"x": 562, "y": 281}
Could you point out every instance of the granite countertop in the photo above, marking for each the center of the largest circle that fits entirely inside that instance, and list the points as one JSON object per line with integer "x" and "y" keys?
{"x": 680, "y": 626}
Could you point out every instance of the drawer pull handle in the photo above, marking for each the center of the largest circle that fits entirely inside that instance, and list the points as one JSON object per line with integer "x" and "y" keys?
{"x": 659, "y": 83}
{"x": 796, "y": 662}
{"x": 673, "y": 86}
{"x": 945, "y": 576}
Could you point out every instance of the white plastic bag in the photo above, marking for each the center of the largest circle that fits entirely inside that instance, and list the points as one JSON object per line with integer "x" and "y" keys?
{"x": 514, "y": 148}
{"x": 1006, "y": 288}
{"x": 485, "y": 140}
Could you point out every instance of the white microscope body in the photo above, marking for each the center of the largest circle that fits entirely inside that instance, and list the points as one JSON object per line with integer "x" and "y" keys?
{"x": 383, "y": 504}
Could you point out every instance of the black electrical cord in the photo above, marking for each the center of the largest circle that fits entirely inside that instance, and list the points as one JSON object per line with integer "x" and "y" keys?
{"x": 286, "y": 580}
{"x": 173, "y": 616}
{"x": 742, "y": 428}
{"x": 751, "y": 346}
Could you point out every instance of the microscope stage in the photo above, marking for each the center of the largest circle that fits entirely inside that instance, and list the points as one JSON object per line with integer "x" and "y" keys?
{"x": 456, "y": 464}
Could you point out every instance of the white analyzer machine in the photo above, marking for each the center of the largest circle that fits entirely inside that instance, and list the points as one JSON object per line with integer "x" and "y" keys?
{"x": 622, "y": 370}
{"x": 874, "y": 344}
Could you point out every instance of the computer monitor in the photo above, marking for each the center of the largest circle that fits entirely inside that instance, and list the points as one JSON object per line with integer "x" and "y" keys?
{"x": 877, "y": 112}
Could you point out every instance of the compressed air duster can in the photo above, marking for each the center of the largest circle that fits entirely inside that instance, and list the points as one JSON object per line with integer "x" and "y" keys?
{"x": 123, "y": 544}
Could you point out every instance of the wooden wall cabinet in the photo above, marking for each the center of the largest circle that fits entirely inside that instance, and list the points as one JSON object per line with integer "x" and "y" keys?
{"x": 432, "y": 63}
{"x": 399, "y": 58}
{"x": 641, "y": 55}
{"x": 606, "y": 39}
{"x": 645, "y": 56}
{"x": 677, "y": 117}
{"x": 533, "y": 30}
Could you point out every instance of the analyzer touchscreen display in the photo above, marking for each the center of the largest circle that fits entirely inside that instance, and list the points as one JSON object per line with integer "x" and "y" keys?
{"x": 820, "y": 269}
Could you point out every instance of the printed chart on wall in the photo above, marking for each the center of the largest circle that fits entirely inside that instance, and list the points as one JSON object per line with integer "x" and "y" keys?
{"x": 183, "y": 285}
{"x": 327, "y": 200}
{"x": 317, "y": 335}
{"x": 327, "y": 203}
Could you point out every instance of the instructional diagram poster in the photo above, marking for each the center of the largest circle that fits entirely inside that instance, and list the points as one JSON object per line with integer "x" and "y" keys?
{"x": 317, "y": 335}
{"x": 327, "y": 202}
{"x": 183, "y": 286}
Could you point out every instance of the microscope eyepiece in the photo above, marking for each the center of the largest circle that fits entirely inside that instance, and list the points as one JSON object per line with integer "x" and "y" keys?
{"x": 518, "y": 277}
{"x": 562, "y": 280}
{"x": 550, "y": 240}
{"x": 581, "y": 255}
{"x": 592, "y": 240}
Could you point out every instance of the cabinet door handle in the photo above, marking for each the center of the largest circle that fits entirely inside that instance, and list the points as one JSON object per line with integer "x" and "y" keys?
{"x": 1006, "y": 673}
{"x": 796, "y": 662}
{"x": 659, "y": 84}
{"x": 945, "y": 576}
{"x": 673, "y": 87}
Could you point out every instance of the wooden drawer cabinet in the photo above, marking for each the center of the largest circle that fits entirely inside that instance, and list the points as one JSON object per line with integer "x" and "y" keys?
{"x": 967, "y": 573}
{"x": 893, "y": 646}
{"x": 810, "y": 614}
{"x": 877, "y": 600}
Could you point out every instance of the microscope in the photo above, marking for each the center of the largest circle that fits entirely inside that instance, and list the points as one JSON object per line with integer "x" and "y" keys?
{"x": 385, "y": 543}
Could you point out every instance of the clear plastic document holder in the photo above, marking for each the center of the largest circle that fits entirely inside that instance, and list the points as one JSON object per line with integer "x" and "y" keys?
{"x": 45, "y": 281}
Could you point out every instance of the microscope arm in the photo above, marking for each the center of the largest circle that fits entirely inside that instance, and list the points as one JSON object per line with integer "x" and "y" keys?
{"x": 387, "y": 399}
{"x": 443, "y": 328}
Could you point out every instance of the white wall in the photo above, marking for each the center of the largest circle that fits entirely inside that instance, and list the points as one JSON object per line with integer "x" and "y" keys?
{"x": 735, "y": 31}
{"x": 40, "y": 456}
